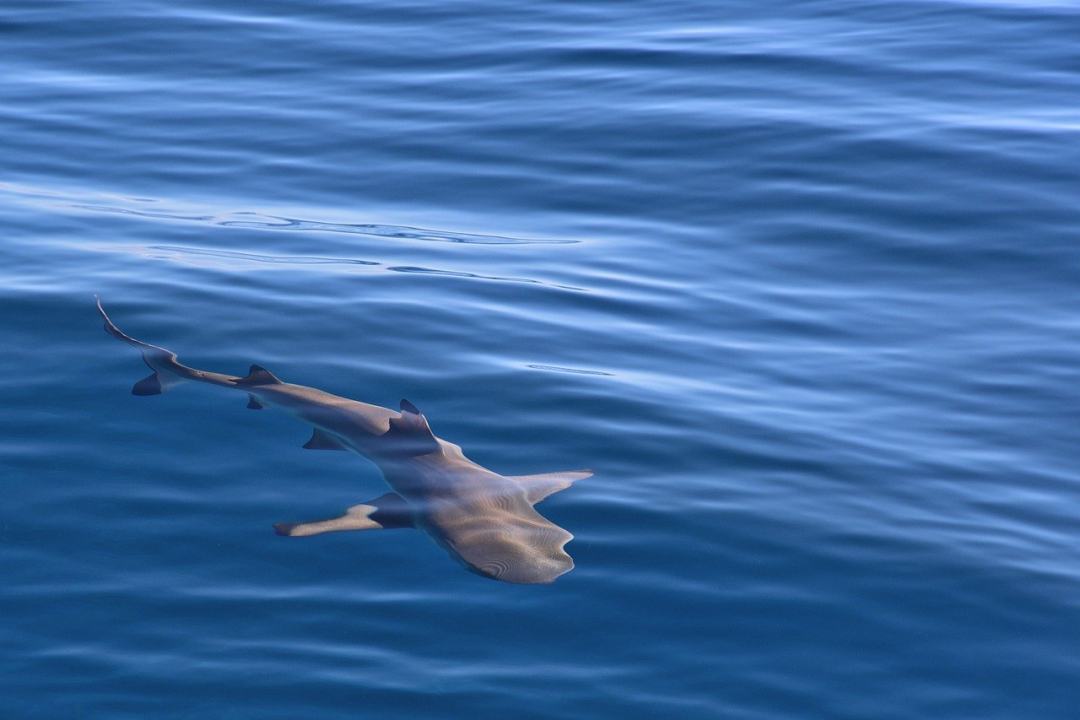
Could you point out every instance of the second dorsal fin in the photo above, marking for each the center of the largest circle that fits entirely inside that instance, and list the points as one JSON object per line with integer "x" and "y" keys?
{"x": 259, "y": 375}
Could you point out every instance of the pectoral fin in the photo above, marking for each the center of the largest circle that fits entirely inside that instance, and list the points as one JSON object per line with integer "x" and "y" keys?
{"x": 538, "y": 487}
{"x": 387, "y": 512}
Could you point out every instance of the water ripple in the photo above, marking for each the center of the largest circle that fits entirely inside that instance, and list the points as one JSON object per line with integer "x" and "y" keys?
{"x": 260, "y": 221}
{"x": 234, "y": 260}
{"x": 575, "y": 371}
{"x": 797, "y": 280}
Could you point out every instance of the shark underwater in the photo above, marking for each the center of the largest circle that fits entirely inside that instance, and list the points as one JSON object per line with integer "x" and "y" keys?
{"x": 485, "y": 520}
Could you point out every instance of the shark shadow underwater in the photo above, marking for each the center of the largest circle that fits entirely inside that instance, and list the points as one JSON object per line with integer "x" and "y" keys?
{"x": 483, "y": 519}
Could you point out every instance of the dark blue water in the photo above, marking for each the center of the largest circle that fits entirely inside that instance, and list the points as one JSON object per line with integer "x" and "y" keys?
{"x": 800, "y": 281}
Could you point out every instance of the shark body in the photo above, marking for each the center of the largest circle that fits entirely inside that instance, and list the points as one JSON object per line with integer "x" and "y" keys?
{"x": 483, "y": 519}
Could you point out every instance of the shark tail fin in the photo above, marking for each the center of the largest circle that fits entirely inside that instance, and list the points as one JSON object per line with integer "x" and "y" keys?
{"x": 155, "y": 383}
{"x": 161, "y": 361}
{"x": 149, "y": 385}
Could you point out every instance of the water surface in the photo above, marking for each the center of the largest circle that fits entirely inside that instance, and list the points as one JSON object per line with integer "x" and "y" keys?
{"x": 797, "y": 280}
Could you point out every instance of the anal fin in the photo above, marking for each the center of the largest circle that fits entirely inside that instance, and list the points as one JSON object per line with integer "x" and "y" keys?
{"x": 322, "y": 440}
{"x": 385, "y": 512}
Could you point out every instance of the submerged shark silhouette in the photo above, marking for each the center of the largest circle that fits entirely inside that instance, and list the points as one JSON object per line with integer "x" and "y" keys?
{"x": 483, "y": 519}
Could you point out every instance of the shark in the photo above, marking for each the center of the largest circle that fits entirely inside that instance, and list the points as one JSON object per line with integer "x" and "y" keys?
{"x": 485, "y": 520}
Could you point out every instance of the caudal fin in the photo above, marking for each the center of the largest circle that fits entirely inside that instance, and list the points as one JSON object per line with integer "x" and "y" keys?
{"x": 149, "y": 385}
{"x": 161, "y": 361}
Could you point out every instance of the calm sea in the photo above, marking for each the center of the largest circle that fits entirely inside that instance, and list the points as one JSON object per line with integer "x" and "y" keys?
{"x": 799, "y": 280}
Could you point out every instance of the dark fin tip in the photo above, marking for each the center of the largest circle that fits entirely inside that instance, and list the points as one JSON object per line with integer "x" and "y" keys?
{"x": 283, "y": 529}
{"x": 253, "y": 403}
{"x": 150, "y": 385}
{"x": 259, "y": 376}
{"x": 409, "y": 407}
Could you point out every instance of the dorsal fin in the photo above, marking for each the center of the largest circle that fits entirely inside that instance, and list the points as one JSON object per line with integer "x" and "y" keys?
{"x": 259, "y": 375}
{"x": 410, "y": 432}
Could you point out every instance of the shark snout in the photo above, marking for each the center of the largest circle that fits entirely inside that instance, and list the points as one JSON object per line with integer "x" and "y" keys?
{"x": 534, "y": 571}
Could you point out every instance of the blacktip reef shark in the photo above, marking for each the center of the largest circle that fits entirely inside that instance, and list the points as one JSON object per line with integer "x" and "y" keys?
{"x": 483, "y": 519}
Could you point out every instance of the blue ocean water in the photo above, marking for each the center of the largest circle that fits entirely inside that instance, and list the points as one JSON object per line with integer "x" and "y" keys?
{"x": 798, "y": 280}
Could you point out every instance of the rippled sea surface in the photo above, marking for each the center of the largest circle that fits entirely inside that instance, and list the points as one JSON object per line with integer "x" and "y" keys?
{"x": 800, "y": 281}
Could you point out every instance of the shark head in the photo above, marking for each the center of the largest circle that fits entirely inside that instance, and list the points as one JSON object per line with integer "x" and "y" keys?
{"x": 518, "y": 550}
